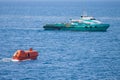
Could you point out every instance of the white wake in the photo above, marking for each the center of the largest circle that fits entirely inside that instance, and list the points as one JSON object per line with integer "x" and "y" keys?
{"x": 6, "y": 60}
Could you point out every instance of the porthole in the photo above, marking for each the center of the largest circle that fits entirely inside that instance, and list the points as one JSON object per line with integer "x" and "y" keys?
{"x": 90, "y": 26}
{"x": 95, "y": 27}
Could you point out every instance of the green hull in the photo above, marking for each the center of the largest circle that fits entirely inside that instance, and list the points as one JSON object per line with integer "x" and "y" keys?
{"x": 80, "y": 27}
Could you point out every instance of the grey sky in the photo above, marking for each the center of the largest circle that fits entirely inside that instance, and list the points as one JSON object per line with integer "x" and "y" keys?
{"x": 59, "y": 0}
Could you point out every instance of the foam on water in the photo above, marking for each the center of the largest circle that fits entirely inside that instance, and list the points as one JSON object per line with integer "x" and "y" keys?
{"x": 6, "y": 60}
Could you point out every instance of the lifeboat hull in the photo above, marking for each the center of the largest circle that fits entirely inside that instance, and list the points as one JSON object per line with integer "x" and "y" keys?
{"x": 21, "y": 55}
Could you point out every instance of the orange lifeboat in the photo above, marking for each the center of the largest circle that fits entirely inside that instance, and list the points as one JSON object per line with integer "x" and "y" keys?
{"x": 21, "y": 55}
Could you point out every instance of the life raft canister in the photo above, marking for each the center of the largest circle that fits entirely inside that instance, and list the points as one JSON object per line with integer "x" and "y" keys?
{"x": 25, "y": 55}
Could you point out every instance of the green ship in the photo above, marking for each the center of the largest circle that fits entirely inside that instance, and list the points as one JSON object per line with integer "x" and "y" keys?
{"x": 85, "y": 23}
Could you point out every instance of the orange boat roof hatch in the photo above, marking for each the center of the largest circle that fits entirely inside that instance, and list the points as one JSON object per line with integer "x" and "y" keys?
{"x": 30, "y": 49}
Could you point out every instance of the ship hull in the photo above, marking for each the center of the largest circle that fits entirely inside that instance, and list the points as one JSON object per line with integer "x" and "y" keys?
{"x": 83, "y": 27}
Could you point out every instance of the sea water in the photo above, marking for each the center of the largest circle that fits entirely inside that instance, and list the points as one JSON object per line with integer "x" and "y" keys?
{"x": 63, "y": 55}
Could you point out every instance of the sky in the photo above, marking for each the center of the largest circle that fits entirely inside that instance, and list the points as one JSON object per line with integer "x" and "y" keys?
{"x": 59, "y": 0}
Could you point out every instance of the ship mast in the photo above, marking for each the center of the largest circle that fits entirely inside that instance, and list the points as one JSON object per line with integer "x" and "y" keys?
{"x": 84, "y": 14}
